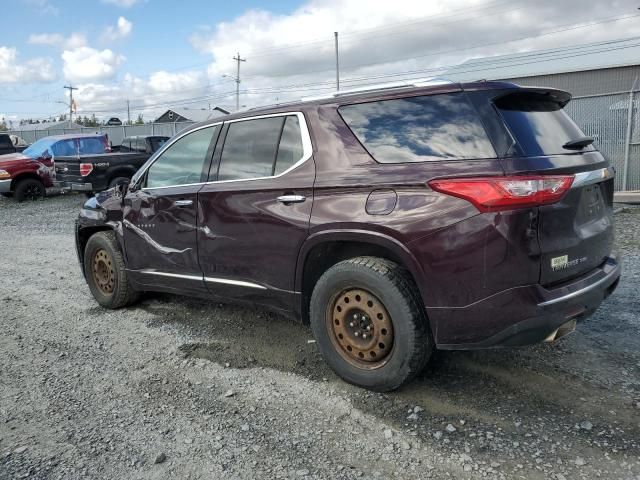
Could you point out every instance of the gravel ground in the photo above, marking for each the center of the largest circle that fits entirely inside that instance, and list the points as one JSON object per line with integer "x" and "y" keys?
{"x": 183, "y": 388}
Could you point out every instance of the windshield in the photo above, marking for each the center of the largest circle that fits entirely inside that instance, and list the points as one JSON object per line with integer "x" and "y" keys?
{"x": 36, "y": 149}
{"x": 538, "y": 123}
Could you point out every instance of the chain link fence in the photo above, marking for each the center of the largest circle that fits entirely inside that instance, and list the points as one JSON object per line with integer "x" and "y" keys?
{"x": 612, "y": 119}
{"x": 116, "y": 133}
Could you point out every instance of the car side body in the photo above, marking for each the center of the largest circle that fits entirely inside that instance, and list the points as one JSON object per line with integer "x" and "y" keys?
{"x": 483, "y": 278}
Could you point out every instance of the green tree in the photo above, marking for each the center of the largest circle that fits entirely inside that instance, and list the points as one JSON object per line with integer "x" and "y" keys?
{"x": 139, "y": 120}
{"x": 3, "y": 125}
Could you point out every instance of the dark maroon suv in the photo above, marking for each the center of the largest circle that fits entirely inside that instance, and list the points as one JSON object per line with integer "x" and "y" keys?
{"x": 395, "y": 221}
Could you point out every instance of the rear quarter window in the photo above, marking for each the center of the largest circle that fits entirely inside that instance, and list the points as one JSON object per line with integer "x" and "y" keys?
{"x": 419, "y": 129}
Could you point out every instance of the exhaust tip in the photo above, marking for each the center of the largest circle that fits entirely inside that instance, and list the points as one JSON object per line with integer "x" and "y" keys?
{"x": 562, "y": 331}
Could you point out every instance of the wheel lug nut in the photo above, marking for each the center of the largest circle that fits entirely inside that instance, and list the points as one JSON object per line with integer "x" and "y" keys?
{"x": 369, "y": 328}
{"x": 351, "y": 324}
{"x": 355, "y": 316}
{"x": 357, "y": 334}
{"x": 364, "y": 335}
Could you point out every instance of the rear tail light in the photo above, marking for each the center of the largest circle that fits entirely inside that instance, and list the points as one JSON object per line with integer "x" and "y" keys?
{"x": 492, "y": 194}
{"x": 85, "y": 169}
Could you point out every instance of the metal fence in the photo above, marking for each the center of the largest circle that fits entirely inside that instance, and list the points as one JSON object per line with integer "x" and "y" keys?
{"x": 116, "y": 133}
{"x": 612, "y": 119}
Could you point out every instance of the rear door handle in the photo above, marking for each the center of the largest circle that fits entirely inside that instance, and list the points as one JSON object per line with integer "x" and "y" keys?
{"x": 292, "y": 198}
{"x": 183, "y": 203}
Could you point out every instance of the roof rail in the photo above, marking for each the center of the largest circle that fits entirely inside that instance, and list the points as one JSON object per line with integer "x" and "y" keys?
{"x": 382, "y": 87}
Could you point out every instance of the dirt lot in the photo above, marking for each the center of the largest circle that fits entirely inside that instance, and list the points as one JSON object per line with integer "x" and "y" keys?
{"x": 183, "y": 388}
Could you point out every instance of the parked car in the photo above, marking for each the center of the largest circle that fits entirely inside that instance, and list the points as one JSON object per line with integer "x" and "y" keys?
{"x": 95, "y": 173}
{"x": 27, "y": 174}
{"x": 11, "y": 144}
{"x": 18, "y": 142}
{"x": 395, "y": 221}
{"x": 114, "y": 121}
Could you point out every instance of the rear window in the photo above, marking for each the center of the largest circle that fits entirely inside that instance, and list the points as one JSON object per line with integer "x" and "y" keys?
{"x": 419, "y": 129}
{"x": 538, "y": 123}
{"x": 91, "y": 145}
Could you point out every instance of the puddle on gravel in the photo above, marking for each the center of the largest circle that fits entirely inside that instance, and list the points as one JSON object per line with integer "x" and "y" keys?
{"x": 493, "y": 387}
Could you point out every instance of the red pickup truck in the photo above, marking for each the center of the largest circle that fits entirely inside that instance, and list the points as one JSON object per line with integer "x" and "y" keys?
{"x": 27, "y": 175}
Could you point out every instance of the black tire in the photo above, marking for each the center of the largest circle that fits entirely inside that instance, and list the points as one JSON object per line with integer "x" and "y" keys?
{"x": 29, "y": 189}
{"x": 393, "y": 288}
{"x": 89, "y": 194}
{"x": 114, "y": 182}
{"x": 105, "y": 272}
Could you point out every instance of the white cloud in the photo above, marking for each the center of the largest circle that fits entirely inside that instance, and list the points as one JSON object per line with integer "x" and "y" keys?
{"x": 392, "y": 37}
{"x": 36, "y": 70}
{"x": 144, "y": 94}
{"x": 43, "y": 7}
{"x": 122, "y": 3}
{"x": 75, "y": 40}
{"x": 121, "y": 30}
{"x": 86, "y": 64}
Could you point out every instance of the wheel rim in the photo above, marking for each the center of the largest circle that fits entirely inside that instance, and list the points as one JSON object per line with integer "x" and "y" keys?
{"x": 102, "y": 270}
{"x": 33, "y": 192}
{"x": 360, "y": 328}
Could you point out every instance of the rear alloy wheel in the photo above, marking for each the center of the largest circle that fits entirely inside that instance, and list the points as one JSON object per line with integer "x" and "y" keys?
{"x": 362, "y": 328}
{"x": 105, "y": 272}
{"x": 369, "y": 323}
{"x": 29, "y": 189}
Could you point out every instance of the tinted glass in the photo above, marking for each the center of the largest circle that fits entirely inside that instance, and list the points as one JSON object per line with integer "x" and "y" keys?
{"x": 5, "y": 141}
{"x": 418, "y": 129}
{"x": 539, "y": 124}
{"x": 157, "y": 142}
{"x": 183, "y": 161}
{"x": 290, "y": 149}
{"x": 250, "y": 148}
{"x": 90, "y": 146}
{"x": 64, "y": 148}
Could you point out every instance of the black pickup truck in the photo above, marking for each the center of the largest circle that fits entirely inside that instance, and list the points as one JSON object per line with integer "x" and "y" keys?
{"x": 98, "y": 172}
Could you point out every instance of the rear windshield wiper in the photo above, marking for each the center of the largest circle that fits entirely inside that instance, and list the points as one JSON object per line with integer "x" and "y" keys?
{"x": 578, "y": 143}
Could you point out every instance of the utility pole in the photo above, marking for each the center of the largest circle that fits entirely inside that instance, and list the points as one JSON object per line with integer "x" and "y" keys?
{"x": 335, "y": 35}
{"x": 128, "y": 113}
{"x": 71, "y": 89}
{"x": 237, "y": 79}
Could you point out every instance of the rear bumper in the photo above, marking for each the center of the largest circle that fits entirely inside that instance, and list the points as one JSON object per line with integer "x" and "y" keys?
{"x": 523, "y": 315}
{"x": 75, "y": 186}
{"x": 5, "y": 186}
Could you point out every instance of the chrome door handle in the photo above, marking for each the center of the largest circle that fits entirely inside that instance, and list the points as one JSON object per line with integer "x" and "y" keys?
{"x": 292, "y": 198}
{"x": 183, "y": 203}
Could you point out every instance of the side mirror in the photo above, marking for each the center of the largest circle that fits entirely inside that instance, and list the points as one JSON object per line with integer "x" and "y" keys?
{"x": 122, "y": 187}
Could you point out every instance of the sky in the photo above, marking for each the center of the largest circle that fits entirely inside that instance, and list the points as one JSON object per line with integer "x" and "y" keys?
{"x": 162, "y": 53}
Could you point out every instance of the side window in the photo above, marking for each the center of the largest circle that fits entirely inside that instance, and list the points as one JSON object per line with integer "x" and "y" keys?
{"x": 5, "y": 141}
{"x": 290, "y": 149}
{"x": 418, "y": 129}
{"x": 183, "y": 161}
{"x": 64, "y": 148}
{"x": 250, "y": 148}
{"x": 90, "y": 146}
